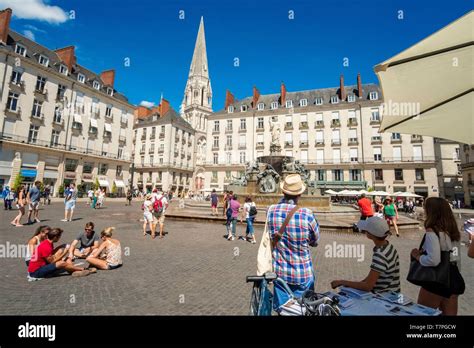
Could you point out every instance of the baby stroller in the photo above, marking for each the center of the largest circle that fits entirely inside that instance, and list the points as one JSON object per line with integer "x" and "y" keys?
{"x": 310, "y": 304}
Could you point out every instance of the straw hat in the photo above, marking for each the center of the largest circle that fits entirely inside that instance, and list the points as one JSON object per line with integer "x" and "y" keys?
{"x": 293, "y": 185}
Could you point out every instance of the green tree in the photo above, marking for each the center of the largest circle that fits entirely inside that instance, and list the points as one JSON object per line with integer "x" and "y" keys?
{"x": 114, "y": 189}
{"x": 61, "y": 190}
{"x": 95, "y": 186}
{"x": 17, "y": 182}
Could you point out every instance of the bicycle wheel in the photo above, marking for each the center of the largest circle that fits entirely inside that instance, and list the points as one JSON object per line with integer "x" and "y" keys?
{"x": 255, "y": 299}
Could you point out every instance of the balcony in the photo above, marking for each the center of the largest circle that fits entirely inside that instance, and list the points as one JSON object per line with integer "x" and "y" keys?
{"x": 260, "y": 129}
{"x": 109, "y": 117}
{"x": 176, "y": 152}
{"x": 38, "y": 117}
{"x": 319, "y": 124}
{"x": 260, "y": 146}
{"x": 352, "y": 122}
{"x": 95, "y": 113}
{"x": 16, "y": 113}
{"x": 183, "y": 155}
{"x": 122, "y": 138}
{"x": 228, "y": 147}
{"x": 123, "y": 121}
{"x": 228, "y": 130}
{"x": 335, "y": 123}
{"x": 189, "y": 157}
{"x": 143, "y": 136}
{"x": 77, "y": 126}
{"x": 183, "y": 141}
{"x": 162, "y": 135}
{"x": 20, "y": 85}
{"x": 375, "y": 121}
{"x": 303, "y": 143}
{"x": 420, "y": 182}
{"x": 107, "y": 135}
{"x": 151, "y": 150}
{"x": 161, "y": 150}
{"x": 58, "y": 121}
{"x": 288, "y": 125}
{"x": 92, "y": 131}
{"x": 216, "y": 131}
{"x": 42, "y": 92}
{"x": 190, "y": 143}
{"x": 319, "y": 143}
{"x": 152, "y": 136}
{"x": 376, "y": 140}
{"x": 353, "y": 141}
{"x": 242, "y": 146}
{"x": 288, "y": 144}
{"x": 176, "y": 139}
{"x": 242, "y": 130}
{"x": 396, "y": 140}
{"x": 336, "y": 142}
{"x": 304, "y": 125}
{"x": 215, "y": 147}
{"x": 416, "y": 139}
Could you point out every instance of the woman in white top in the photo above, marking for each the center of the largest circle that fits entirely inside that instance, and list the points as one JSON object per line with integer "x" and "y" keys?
{"x": 109, "y": 255}
{"x": 442, "y": 234}
{"x": 250, "y": 237}
{"x": 39, "y": 236}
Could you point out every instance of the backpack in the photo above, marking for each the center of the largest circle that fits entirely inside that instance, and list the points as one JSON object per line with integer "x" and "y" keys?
{"x": 158, "y": 206}
{"x": 253, "y": 211}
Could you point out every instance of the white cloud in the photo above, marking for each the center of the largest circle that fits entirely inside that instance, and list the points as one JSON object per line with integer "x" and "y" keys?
{"x": 147, "y": 104}
{"x": 33, "y": 28}
{"x": 29, "y": 34}
{"x": 35, "y": 9}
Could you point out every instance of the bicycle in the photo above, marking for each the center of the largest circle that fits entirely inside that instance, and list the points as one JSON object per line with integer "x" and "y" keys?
{"x": 310, "y": 304}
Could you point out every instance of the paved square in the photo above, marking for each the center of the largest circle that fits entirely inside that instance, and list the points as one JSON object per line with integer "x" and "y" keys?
{"x": 192, "y": 271}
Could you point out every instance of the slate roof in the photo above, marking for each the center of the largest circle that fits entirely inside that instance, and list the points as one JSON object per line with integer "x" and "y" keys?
{"x": 170, "y": 117}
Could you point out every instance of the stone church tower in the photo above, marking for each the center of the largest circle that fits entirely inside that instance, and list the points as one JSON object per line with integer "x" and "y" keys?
{"x": 197, "y": 103}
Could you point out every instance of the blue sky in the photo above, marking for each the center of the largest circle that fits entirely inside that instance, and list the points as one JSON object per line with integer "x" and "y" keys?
{"x": 305, "y": 52}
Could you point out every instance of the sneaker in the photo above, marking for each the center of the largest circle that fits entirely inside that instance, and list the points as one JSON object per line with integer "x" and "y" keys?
{"x": 229, "y": 237}
{"x": 37, "y": 220}
{"x": 64, "y": 220}
{"x": 233, "y": 238}
{"x": 82, "y": 273}
{"x": 31, "y": 279}
{"x": 253, "y": 241}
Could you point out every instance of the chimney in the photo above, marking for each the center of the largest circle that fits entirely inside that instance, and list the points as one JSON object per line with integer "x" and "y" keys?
{"x": 282, "y": 94}
{"x": 164, "y": 107}
{"x": 66, "y": 55}
{"x": 256, "y": 96}
{"x": 359, "y": 86}
{"x": 342, "y": 91}
{"x": 142, "y": 112}
{"x": 229, "y": 99}
{"x": 5, "y": 17}
{"x": 108, "y": 77}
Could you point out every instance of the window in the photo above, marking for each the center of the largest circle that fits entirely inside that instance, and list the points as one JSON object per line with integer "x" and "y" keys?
{"x": 215, "y": 158}
{"x": 259, "y": 139}
{"x": 228, "y": 157}
{"x": 110, "y": 91}
{"x": 303, "y": 102}
{"x": 12, "y": 101}
{"x": 378, "y": 174}
{"x": 289, "y": 153}
{"x": 373, "y": 96}
{"x": 335, "y": 115}
{"x": 229, "y": 125}
{"x": 81, "y": 78}
{"x": 63, "y": 69}
{"x": 260, "y": 123}
{"x": 260, "y": 106}
{"x": 216, "y": 126}
{"x": 377, "y": 154}
{"x": 336, "y": 137}
{"x": 419, "y": 174}
{"x": 274, "y": 105}
{"x": 87, "y": 167}
{"x": 20, "y": 49}
{"x": 57, "y": 114}
{"x": 108, "y": 111}
{"x": 375, "y": 115}
{"x": 33, "y": 134}
{"x": 229, "y": 140}
{"x": 321, "y": 175}
{"x": 153, "y": 132}
{"x": 352, "y": 135}
{"x": 152, "y": 147}
{"x": 37, "y": 107}
{"x": 243, "y": 108}
{"x": 288, "y": 121}
{"x": 118, "y": 171}
{"x": 334, "y": 99}
{"x": 338, "y": 175}
{"x": 228, "y": 174}
{"x": 96, "y": 85}
{"x": 304, "y": 156}
{"x": 319, "y": 137}
{"x": 289, "y": 103}
{"x": 242, "y": 140}
{"x": 376, "y": 134}
{"x": 103, "y": 167}
{"x": 152, "y": 159}
{"x": 214, "y": 176}
{"x": 304, "y": 137}
{"x": 61, "y": 92}
{"x": 43, "y": 60}
{"x": 16, "y": 77}
{"x": 353, "y": 155}
{"x": 71, "y": 165}
{"x": 216, "y": 142}
{"x": 396, "y": 136}
{"x": 398, "y": 174}
{"x": 160, "y": 160}
{"x": 120, "y": 152}
{"x": 40, "y": 83}
{"x": 351, "y": 114}
{"x": 289, "y": 138}
{"x": 417, "y": 153}
{"x": 351, "y": 98}
{"x": 230, "y": 109}
{"x": 319, "y": 101}
{"x": 55, "y": 138}
{"x": 243, "y": 124}
{"x": 336, "y": 155}
{"x": 354, "y": 175}
{"x": 242, "y": 157}
{"x": 397, "y": 153}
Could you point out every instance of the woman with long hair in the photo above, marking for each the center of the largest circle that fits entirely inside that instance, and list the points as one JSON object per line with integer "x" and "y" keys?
{"x": 21, "y": 204}
{"x": 390, "y": 213}
{"x": 442, "y": 234}
{"x": 109, "y": 255}
{"x": 40, "y": 235}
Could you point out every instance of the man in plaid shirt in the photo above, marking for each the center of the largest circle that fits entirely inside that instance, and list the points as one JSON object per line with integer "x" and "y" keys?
{"x": 291, "y": 254}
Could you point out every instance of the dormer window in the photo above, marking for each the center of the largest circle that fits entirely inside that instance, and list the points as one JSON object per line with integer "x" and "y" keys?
{"x": 96, "y": 85}
{"x": 289, "y": 103}
{"x": 110, "y": 91}
{"x": 351, "y": 98}
{"x": 334, "y": 99}
{"x": 373, "y": 96}
{"x": 319, "y": 101}
{"x": 230, "y": 109}
{"x": 20, "y": 49}
{"x": 43, "y": 60}
{"x": 81, "y": 78}
{"x": 274, "y": 105}
{"x": 260, "y": 106}
{"x": 63, "y": 69}
{"x": 243, "y": 108}
{"x": 304, "y": 102}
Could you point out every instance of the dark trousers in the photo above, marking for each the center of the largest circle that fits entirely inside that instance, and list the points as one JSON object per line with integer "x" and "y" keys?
{"x": 8, "y": 204}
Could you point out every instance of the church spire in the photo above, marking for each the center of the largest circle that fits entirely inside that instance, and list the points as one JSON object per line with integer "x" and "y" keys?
{"x": 199, "y": 62}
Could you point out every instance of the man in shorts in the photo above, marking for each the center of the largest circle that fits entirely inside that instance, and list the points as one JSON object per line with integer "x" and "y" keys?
{"x": 69, "y": 202}
{"x": 160, "y": 215}
{"x": 33, "y": 198}
{"x": 85, "y": 243}
{"x": 148, "y": 218}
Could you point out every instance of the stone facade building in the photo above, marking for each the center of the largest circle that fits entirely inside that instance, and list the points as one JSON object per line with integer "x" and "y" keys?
{"x": 467, "y": 171}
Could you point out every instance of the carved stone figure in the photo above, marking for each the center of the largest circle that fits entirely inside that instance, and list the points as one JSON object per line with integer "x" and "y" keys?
{"x": 302, "y": 171}
{"x": 275, "y": 128}
{"x": 268, "y": 180}
{"x": 288, "y": 165}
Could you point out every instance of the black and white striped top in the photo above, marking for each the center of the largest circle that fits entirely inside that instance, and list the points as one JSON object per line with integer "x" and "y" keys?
{"x": 385, "y": 261}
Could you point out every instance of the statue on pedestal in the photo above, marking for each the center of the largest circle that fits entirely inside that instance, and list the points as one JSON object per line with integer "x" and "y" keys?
{"x": 268, "y": 180}
{"x": 275, "y": 128}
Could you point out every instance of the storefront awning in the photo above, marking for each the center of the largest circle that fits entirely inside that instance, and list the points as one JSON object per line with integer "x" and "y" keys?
{"x": 77, "y": 118}
{"x": 94, "y": 123}
{"x": 119, "y": 183}
{"x": 108, "y": 128}
{"x": 28, "y": 173}
{"x": 103, "y": 183}
{"x": 50, "y": 174}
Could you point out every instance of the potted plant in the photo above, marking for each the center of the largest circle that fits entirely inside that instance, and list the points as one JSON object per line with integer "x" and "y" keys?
{"x": 114, "y": 191}
{"x": 16, "y": 184}
{"x": 61, "y": 191}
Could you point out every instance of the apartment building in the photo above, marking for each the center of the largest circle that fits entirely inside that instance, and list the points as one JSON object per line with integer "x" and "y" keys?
{"x": 467, "y": 172}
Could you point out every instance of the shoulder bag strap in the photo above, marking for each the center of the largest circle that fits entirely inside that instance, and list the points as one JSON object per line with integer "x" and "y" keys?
{"x": 280, "y": 232}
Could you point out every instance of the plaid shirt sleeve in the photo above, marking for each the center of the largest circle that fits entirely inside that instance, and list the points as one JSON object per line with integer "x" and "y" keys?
{"x": 313, "y": 230}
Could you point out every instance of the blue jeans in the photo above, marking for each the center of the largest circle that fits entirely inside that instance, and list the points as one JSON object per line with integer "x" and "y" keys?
{"x": 281, "y": 295}
{"x": 232, "y": 223}
{"x": 249, "y": 230}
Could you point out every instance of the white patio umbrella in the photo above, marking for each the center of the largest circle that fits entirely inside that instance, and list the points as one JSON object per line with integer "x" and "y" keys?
{"x": 343, "y": 193}
{"x": 428, "y": 89}
{"x": 409, "y": 195}
{"x": 353, "y": 193}
{"x": 397, "y": 194}
{"x": 379, "y": 193}
{"x": 363, "y": 192}
{"x": 331, "y": 192}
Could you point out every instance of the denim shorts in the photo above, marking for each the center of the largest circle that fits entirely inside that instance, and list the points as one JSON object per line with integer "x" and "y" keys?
{"x": 46, "y": 270}
{"x": 281, "y": 296}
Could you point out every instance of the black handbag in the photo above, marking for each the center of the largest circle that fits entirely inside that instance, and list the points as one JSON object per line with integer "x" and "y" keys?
{"x": 437, "y": 276}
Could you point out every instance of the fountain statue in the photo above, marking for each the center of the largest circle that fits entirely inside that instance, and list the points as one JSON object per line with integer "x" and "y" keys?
{"x": 268, "y": 180}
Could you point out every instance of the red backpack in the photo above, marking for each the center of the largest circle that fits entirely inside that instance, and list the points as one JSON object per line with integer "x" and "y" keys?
{"x": 158, "y": 205}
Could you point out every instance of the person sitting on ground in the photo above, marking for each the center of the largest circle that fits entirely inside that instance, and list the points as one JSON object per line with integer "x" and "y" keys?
{"x": 85, "y": 242}
{"x": 46, "y": 259}
{"x": 39, "y": 236}
{"x": 385, "y": 268}
{"x": 109, "y": 255}
{"x": 365, "y": 207}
